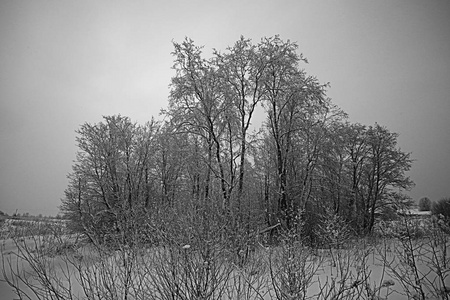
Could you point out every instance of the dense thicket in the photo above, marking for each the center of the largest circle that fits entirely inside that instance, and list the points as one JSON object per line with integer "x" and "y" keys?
{"x": 305, "y": 164}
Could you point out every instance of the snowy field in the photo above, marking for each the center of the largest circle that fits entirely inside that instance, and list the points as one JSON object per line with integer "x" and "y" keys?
{"x": 280, "y": 272}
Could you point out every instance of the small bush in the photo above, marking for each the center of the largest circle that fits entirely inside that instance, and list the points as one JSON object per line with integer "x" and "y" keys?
{"x": 333, "y": 231}
{"x": 425, "y": 204}
{"x": 442, "y": 207}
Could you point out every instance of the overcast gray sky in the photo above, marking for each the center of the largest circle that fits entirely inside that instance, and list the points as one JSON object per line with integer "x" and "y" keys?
{"x": 63, "y": 63}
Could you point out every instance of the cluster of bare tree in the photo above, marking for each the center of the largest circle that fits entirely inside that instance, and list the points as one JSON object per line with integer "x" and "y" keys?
{"x": 206, "y": 159}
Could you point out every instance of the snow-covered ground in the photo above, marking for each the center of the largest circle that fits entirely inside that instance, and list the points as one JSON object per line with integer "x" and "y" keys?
{"x": 375, "y": 263}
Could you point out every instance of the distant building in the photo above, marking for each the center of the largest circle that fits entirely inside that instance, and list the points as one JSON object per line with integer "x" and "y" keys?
{"x": 421, "y": 219}
{"x": 414, "y": 213}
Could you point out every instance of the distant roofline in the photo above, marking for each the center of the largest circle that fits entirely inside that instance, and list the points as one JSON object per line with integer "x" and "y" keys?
{"x": 413, "y": 212}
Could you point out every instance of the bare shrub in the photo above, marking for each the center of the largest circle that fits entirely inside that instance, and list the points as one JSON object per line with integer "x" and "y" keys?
{"x": 421, "y": 264}
{"x": 292, "y": 268}
{"x": 250, "y": 280}
{"x": 34, "y": 269}
{"x": 193, "y": 261}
